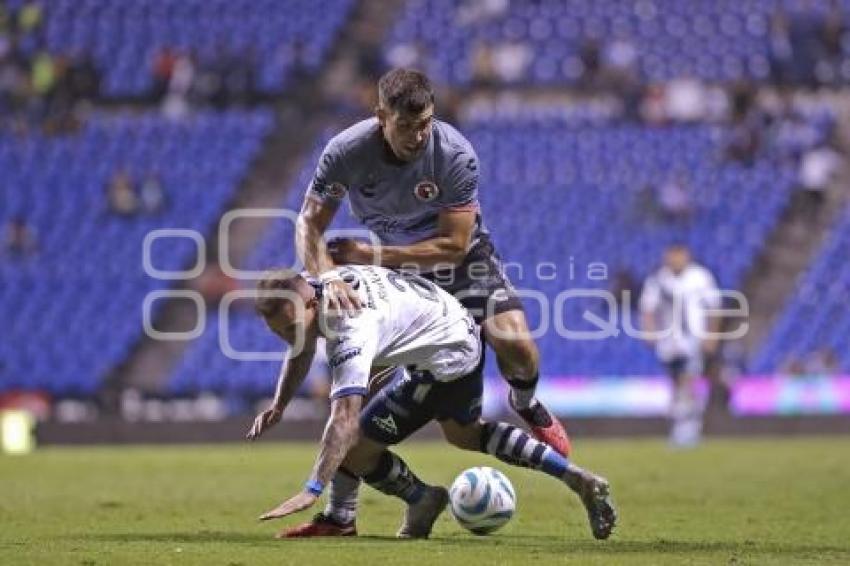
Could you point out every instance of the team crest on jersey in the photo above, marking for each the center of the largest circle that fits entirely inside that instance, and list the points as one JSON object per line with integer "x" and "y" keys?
{"x": 426, "y": 191}
{"x": 335, "y": 190}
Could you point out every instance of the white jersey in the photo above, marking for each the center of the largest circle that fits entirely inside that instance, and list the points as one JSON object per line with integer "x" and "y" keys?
{"x": 405, "y": 321}
{"x": 680, "y": 305}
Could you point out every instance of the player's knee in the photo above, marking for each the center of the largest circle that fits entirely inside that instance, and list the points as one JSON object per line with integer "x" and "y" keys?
{"x": 465, "y": 437}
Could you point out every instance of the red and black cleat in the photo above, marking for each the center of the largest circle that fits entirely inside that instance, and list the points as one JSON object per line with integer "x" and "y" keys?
{"x": 546, "y": 427}
{"x": 320, "y": 526}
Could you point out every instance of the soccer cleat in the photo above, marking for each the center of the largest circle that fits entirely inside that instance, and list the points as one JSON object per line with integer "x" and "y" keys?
{"x": 595, "y": 494}
{"x": 419, "y": 517}
{"x": 320, "y": 526}
{"x": 546, "y": 428}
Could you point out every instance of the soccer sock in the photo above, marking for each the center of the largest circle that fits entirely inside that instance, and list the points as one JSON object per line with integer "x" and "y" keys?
{"x": 515, "y": 446}
{"x": 522, "y": 392}
{"x": 342, "y": 497}
{"x": 392, "y": 477}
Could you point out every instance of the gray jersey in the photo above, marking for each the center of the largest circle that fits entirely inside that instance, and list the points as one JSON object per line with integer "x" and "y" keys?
{"x": 399, "y": 202}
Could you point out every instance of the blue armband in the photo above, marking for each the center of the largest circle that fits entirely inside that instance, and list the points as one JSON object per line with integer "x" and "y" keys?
{"x": 315, "y": 487}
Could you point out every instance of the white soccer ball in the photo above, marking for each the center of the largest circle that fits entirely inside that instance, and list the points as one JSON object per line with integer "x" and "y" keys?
{"x": 482, "y": 500}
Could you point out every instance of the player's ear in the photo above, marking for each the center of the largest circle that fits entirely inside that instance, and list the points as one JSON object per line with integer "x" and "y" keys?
{"x": 381, "y": 113}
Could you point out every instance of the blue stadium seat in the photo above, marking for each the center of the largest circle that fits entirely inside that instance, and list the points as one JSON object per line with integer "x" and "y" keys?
{"x": 720, "y": 40}
{"x": 125, "y": 37}
{"x": 75, "y": 307}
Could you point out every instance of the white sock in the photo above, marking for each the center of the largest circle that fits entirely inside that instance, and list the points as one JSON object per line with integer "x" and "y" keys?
{"x": 342, "y": 497}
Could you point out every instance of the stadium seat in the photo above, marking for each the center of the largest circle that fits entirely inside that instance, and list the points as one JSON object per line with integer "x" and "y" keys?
{"x": 76, "y": 303}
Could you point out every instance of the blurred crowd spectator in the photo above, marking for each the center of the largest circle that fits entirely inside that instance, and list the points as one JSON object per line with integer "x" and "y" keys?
{"x": 20, "y": 239}
{"x": 822, "y": 362}
{"x": 806, "y": 45}
{"x": 181, "y": 80}
{"x": 38, "y": 88}
{"x": 125, "y": 200}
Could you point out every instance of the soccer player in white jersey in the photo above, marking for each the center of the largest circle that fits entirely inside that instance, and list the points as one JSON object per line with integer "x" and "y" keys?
{"x": 676, "y": 305}
{"x": 412, "y": 180}
{"x": 406, "y": 321}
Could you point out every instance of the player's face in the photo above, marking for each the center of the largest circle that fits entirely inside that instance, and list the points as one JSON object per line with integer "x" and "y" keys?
{"x": 294, "y": 325}
{"x": 677, "y": 259}
{"x": 406, "y": 134}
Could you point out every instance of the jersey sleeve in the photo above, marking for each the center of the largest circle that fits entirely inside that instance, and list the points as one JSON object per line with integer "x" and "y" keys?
{"x": 330, "y": 181}
{"x": 461, "y": 182}
{"x": 350, "y": 353}
{"x": 650, "y": 297}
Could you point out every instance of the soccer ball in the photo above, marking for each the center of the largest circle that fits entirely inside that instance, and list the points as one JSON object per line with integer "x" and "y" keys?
{"x": 482, "y": 500}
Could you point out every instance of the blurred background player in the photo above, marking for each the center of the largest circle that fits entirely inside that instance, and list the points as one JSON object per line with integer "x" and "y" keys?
{"x": 675, "y": 310}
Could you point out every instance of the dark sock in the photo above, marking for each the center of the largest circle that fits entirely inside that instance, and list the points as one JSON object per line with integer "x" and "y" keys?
{"x": 392, "y": 477}
{"x": 526, "y": 405}
{"x": 522, "y": 393}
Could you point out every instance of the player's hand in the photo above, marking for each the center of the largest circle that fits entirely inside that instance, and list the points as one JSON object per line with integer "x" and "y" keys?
{"x": 347, "y": 250}
{"x": 341, "y": 297}
{"x": 264, "y": 421}
{"x": 303, "y": 500}
{"x": 709, "y": 347}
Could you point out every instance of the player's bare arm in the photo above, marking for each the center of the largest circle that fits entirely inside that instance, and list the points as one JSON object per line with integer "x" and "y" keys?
{"x": 312, "y": 250}
{"x": 340, "y": 436}
{"x": 292, "y": 374}
{"x": 448, "y": 247}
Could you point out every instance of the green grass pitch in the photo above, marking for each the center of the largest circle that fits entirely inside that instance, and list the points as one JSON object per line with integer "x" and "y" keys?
{"x": 728, "y": 502}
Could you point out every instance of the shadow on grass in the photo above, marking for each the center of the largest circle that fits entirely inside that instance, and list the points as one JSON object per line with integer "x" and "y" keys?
{"x": 201, "y": 537}
{"x": 550, "y": 544}
{"x": 534, "y": 544}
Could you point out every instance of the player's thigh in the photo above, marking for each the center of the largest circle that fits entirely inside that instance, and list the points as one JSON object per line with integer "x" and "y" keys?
{"x": 459, "y": 409}
{"x": 400, "y": 409}
{"x": 508, "y": 334}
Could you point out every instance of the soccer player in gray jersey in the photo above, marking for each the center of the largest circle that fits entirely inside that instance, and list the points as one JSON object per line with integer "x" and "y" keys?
{"x": 413, "y": 181}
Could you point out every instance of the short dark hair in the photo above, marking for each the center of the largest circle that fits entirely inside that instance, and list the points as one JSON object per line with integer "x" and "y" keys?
{"x": 405, "y": 90}
{"x": 266, "y": 303}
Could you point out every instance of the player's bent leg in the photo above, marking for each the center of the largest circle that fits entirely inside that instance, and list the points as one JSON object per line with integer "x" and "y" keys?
{"x": 401, "y": 409}
{"x": 340, "y": 513}
{"x": 393, "y": 477}
{"x": 518, "y": 360}
{"x": 514, "y": 446}
{"x": 686, "y": 412}
{"x": 463, "y": 436}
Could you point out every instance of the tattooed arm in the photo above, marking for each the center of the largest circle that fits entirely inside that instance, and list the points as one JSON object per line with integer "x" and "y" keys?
{"x": 350, "y": 356}
{"x": 340, "y": 435}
